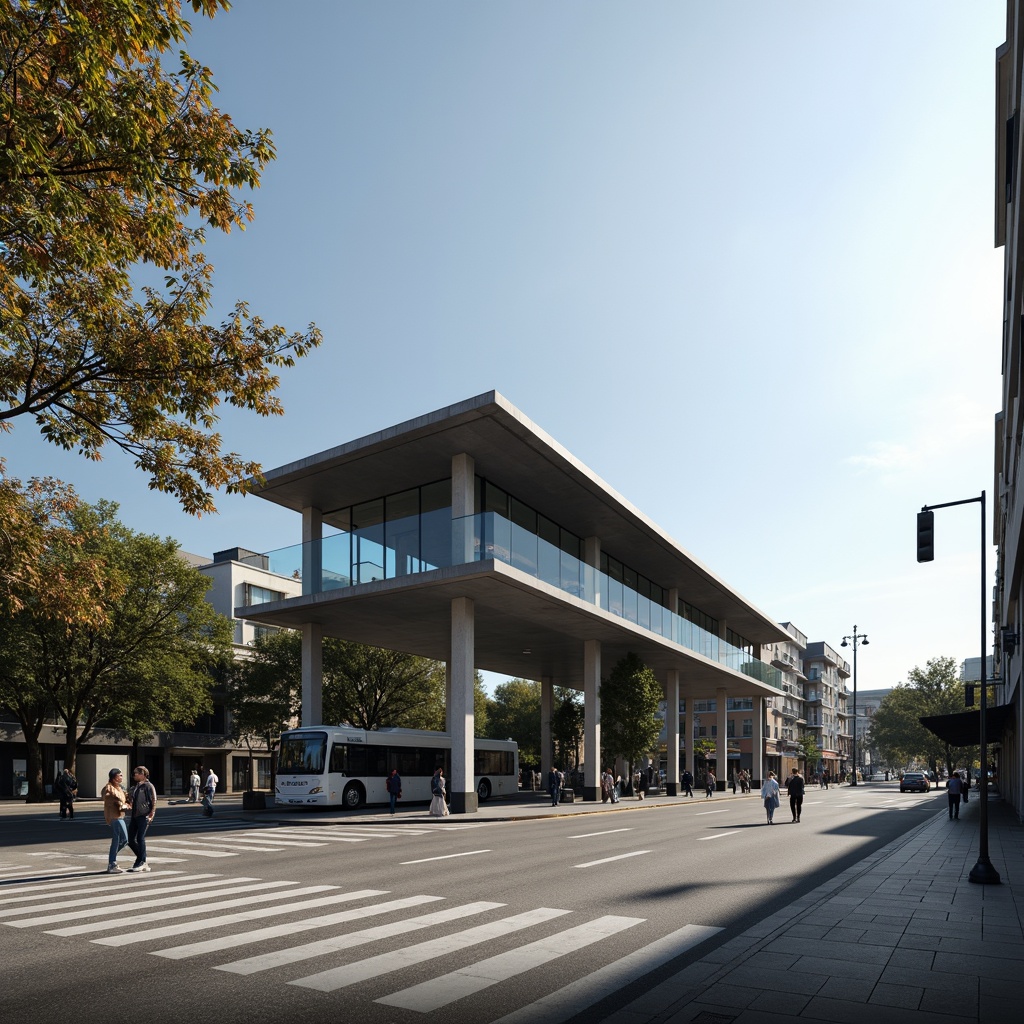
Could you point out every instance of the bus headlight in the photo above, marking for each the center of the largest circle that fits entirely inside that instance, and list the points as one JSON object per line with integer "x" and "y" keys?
{"x": 315, "y": 790}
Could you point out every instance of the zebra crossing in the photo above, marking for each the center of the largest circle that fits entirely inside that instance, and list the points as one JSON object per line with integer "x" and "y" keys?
{"x": 212, "y": 839}
{"x": 226, "y": 924}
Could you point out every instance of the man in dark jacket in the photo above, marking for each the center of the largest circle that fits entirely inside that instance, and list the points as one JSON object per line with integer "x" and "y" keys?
{"x": 795, "y": 789}
{"x": 143, "y": 805}
{"x": 67, "y": 789}
{"x": 394, "y": 786}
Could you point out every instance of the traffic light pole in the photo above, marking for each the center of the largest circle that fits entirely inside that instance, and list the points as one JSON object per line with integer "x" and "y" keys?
{"x": 983, "y": 871}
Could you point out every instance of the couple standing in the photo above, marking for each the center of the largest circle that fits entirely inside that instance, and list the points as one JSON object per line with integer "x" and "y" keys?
{"x": 794, "y": 788}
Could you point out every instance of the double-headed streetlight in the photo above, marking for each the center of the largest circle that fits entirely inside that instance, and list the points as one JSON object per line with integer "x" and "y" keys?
{"x": 862, "y": 639}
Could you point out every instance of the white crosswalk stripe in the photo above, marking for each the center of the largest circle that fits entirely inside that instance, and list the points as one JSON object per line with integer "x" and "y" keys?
{"x": 141, "y": 910}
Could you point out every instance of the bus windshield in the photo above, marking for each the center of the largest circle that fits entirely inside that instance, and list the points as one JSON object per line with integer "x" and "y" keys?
{"x": 303, "y": 754}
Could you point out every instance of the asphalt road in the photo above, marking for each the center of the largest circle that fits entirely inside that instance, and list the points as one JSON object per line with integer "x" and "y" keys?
{"x": 457, "y": 921}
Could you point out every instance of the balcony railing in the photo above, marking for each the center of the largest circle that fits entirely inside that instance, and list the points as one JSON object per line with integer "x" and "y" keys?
{"x": 421, "y": 543}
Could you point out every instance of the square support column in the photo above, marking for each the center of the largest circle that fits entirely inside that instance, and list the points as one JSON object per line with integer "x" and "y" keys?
{"x": 591, "y": 719}
{"x": 464, "y": 540}
{"x": 672, "y": 726}
{"x": 689, "y": 729}
{"x": 757, "y": 771}
{"x": 312, "y": 673}
{"x": 461, "y": 712}
{"x": 547, "y": 707}
{"x": 722, "y": 741}
{"x": 312, "y": 551}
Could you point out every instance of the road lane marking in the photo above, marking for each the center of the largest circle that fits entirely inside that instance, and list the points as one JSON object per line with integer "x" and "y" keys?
{"x": 433, "y": 949}
{"x": 724, "y": 810}
{"x": 164, "y": 931}
{"x": 609, "y": 832}
{"x": 447, "y": 856}
{"x": 608, "y": 860}
{"x": 451, "y": 986}
{"x": 277, "y": 930}
{"x": 267, "y": 961}
{"x": 578, "y": 995}
{"x": 720, "y": 835}
{"x": 177, "y": 912}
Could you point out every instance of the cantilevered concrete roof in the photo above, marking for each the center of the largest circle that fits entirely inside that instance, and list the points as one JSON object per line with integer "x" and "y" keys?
{"x": 514, "y": 453}
{"x": 523, "y": 626}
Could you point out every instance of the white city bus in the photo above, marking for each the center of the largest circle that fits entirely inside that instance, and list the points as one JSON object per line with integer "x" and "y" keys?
{"x": 338, "y": 766}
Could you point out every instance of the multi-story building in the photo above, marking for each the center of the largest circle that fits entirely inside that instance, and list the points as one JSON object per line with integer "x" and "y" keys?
{"x": 1005, "y": 723}
{"x": 825, "y": 705}
{"x": 470, "y": 536}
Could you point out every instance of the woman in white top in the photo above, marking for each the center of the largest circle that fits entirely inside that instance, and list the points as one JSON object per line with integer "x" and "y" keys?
{"x": 770, "y": 796}
{"x": 438, "y": 804}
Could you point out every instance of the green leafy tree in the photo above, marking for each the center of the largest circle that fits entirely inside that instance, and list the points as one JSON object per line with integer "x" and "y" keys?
{"x": 148, "y": 662}
{"x": 567, "y": 721}
{"x": 809, "y": 752}
{"x": 366, "y": 687}
{"x": 896, "y": 730}
{"x": 630, "y": 725}
{"x": 112, "y": 168}
{"x": 514, "y": 713}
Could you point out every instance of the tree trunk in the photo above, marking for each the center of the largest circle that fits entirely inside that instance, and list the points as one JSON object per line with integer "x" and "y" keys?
{"x": 36, "y": 783}
{"x": 71, "y": 751}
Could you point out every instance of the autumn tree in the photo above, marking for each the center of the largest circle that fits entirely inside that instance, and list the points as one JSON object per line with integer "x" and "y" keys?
{"x": 112, "y": 168}
{"x": 630, "y": 725}
{"x": 143, "y": 662}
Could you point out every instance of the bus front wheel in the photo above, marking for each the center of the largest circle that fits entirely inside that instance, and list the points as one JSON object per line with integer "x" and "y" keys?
{"x": 353, "y": 797}
{"x": 483, "y": 791}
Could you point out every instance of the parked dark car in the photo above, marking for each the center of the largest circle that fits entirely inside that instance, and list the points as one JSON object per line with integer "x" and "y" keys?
{"x": 915, "y": 782}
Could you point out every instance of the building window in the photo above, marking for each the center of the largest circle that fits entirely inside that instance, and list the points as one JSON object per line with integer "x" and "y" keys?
{"x": 260, "y": 595}
{"x": 748, "y": 727}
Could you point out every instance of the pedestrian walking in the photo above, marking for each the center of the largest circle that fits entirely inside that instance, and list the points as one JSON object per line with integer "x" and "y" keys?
{"x": 712, "y": 782}
{"x": 194, "y": 783}
{"x": 115, "y": 803}
{"x": 607, "y": 786}
{"x": 795, "y": 788}
{"x": 954, "y": 789}
{"x": 210, "y": 790}
{"x": 394, "y": 787}
{"x": 438, "y": 803}
{"x": 640, "y": 784}
{"x": 687, "y": 781}
{"x": 143, "y": 801}
{"x": 555, "y": 785}
{"x": 67, "y": 789}
{"x": 770, "y": 797}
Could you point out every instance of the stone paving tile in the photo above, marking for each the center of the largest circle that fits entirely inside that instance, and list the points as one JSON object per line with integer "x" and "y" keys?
{"x": 842, "y": 1011}
{"x": 906, "y": 996}
{"x": 1001, "y": 988}
{"x": 962, "y": 1002}
{"x": 791, "y": 1003}
{"x": 841, "y": 934}
{"x": 919, "y": 959}
{"x": 988, "y": 946}
{"x": 838, "y": 968}
{"x": 765, "y": 961}
{"x": 935, "y": 980}
{"x": 809, "y": 931}
{"x": 824, "y": 948}
{"x": 993, "y": 965}
{"x": 792, "y": 981}
{"x": 881, "y": 937}
{"x": 929, "y": 914}
{"x": 992, "y": 1010}
{"x": 729, "y": 995}
{"x": 855, "y": 989}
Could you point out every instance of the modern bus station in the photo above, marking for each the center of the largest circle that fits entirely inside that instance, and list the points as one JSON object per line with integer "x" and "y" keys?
{"x": 470, "y": 536}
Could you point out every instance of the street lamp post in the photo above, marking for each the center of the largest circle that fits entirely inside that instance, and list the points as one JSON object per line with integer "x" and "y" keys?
{"x": 862, "y": 639}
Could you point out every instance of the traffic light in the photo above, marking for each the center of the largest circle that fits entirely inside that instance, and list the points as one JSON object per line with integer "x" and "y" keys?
{"x": 969, "y": 695}
{"x": 925, "y": 536}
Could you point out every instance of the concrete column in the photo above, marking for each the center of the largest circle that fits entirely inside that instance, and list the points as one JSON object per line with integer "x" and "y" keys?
{"x": 672, "y": 738}
{"x": 547, "y": 707}
{"x": 312, "y": 673}
{"x": 464, "y": 546}
{"x": 722, "y": 744}
{"x": 460, "y": 714}
{"x": 757, "y": 771}
{"x": 312, "y": 551}
{"x": 591, "y": 720}
{"x": 691, "y": 740}
{"x": 448, "y": 697}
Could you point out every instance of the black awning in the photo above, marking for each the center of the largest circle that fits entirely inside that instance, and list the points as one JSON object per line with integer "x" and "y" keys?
{"x": 964, "y": 728}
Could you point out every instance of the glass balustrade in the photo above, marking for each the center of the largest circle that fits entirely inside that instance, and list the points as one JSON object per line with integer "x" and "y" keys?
{"x": 431, "y": 541}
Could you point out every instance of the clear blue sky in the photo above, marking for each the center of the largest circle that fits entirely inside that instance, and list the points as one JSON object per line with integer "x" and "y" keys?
{"x": 737, "y": 257}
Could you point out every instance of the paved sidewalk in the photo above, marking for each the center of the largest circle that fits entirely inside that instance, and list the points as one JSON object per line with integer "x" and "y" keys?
{"x": 901, "y": 938}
